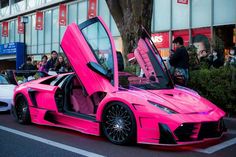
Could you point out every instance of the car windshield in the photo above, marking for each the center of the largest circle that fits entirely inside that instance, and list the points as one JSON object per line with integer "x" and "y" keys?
{"x": 99, "y": 42}
{"x": 146, "y": 68}
{"x": 3, "y": 80}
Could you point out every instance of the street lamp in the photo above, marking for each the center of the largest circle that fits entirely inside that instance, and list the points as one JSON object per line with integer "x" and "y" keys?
{"x": 24, "y": 20}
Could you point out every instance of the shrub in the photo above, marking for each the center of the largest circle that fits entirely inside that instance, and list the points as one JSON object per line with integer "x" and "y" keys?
{"x": 217, "y": 85}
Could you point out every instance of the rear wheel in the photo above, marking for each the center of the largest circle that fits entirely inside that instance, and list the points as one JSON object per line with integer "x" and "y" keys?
{"x": 22, "y": 111}
{"x": 119, "y": 124}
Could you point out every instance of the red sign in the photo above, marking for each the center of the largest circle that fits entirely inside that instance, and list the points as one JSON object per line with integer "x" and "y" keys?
{"x": 39, "y": 21}
{"x": 184, "y": 34}
{"x": 182, "y": 1}
{"x": 62, "y": 15}
{"x": 5, "y": 29}
{"x": 92, "y": 9}
{"x": 161, "y": 40}
{"x": 20, "y": 26}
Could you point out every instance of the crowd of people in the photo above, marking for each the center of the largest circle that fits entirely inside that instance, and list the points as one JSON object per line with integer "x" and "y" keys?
{"x": 56, "y": 63}
{"x": 180, "y": 59}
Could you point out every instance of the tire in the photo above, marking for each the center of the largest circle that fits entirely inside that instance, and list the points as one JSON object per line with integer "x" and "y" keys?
{"x": 22, "y": 111}
{"x": 119, "y": 125}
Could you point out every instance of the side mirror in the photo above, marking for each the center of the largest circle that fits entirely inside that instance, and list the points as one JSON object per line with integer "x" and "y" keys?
{"x": 98, "y": 69}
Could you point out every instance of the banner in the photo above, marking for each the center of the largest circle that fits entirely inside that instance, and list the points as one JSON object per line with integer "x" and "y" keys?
{"x": 39, "y": 21}
{"x": 20, "y": 26}
{"x": 5, "y": 29}
{"x": 182, "y": 1}
{"x": 62, "y": 15}
{"x": 92, "y": 9}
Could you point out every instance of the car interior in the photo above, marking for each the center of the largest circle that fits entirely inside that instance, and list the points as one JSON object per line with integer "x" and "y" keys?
{"x": 78, "y": 101}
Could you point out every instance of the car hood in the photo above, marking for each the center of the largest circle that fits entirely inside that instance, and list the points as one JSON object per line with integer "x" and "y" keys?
{"x": 7, "y": 91}
{"x": 180, "y": 100}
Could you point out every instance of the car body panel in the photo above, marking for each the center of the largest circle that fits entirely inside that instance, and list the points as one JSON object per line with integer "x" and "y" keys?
{"x": 79, "y": 54}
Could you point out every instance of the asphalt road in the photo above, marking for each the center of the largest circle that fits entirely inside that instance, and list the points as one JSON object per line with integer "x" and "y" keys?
{"x": 33, "y": 140}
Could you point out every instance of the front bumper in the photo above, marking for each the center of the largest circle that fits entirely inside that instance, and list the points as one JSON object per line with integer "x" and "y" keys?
{"x": 191, "y": 132}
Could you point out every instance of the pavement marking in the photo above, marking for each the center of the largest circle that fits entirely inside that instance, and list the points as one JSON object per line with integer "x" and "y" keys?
{"x": 51, "y": 143}
{"x": 217, "y": 147}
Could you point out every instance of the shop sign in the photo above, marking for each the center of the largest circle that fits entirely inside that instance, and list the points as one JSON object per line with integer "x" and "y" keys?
{"x": 9, "y": 48}
{"x": 39, "y": 21}
{"x": 92, "y": 9}
{"x": 20, "y": 25}
{"x": 5, "y": 29}
{"x": 182, "y": 1}
{"x": 62, "y": 15}
{"x": 161, "y": 40}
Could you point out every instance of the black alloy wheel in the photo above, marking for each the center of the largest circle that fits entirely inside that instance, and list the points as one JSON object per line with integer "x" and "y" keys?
{"x": 22, "y": 111}
{"x": 119, "y": 125}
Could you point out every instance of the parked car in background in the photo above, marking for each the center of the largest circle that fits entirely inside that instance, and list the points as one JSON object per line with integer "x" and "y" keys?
{"x": 6, "y": 93}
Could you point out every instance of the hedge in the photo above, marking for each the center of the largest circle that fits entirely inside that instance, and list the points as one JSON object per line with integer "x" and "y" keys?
{"x": 217, "y": 85}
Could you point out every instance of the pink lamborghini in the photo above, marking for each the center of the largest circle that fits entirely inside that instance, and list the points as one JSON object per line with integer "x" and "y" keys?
{"x": 96, "y": 99}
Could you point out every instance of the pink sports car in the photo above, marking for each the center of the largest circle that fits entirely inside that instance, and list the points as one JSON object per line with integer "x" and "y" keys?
{"x": 96, "y": 99}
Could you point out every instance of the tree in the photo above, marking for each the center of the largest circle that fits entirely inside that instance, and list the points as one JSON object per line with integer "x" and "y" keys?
{"x": 129, "y": 16}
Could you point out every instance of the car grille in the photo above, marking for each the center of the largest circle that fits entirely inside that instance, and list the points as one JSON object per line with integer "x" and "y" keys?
{"x": 199, "y": 131}
{"x": 3, "y": 104}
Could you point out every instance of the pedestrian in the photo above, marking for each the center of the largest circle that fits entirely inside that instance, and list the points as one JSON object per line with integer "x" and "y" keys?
{"x": 231, "y": 58}
{"x": 42, "y": 66}
{"x": 52, "y": 61}
{"x": 29, "y": 70}
{"x": 215, "y": 59}
{"x": 180, "y": 61}
{"x": 60, "y": 65}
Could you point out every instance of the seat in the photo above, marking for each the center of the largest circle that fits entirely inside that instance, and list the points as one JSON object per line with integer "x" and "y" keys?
{"x": 80, "y": 103}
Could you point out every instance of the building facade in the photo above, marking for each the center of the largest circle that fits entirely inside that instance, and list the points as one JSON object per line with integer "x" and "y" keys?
{"x": 197, "y": 21}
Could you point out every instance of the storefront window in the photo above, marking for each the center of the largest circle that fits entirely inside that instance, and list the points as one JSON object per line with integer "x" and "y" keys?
{"x": 28, "y": 35}
{"x": 180, "y": 15}
{"x": 103, "y": 11}
{"x": 34, "y": 35}
{"x": 17, "y": 35}
{"x": 12, "y": 31}
{"x": 201, "y": 13}
{"x": 55, "y": 30}
{"x": 72, "y": 13}
{"x": 224, "y": 12}
{"x": 82, "y": 11}
{"x": 162, "y": 10}
{"x": 114, "y": 29}
{"x": 48, "y": 30}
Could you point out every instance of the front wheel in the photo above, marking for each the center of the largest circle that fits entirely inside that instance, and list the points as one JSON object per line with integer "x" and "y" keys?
{"x": 22, "y": 111}
{"x": 119, "y": 125}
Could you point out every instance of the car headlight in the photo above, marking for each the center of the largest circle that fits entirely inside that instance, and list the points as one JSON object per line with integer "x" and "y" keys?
{"x": 163, "y": 108}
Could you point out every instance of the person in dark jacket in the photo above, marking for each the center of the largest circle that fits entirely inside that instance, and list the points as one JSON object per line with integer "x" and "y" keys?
{"x": 180, "y": 60}
{"x": 60, "y": 65}
{"x": 28, "y": 67}
{"x": 52, "y": 61}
